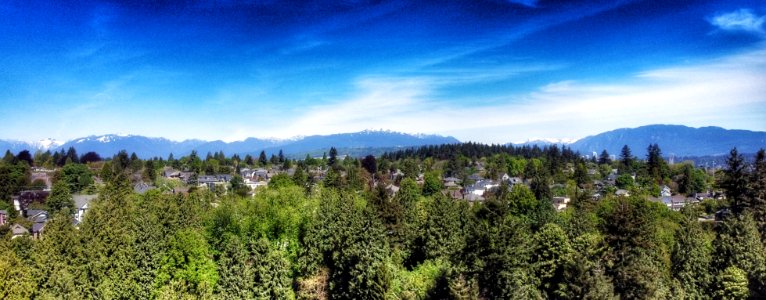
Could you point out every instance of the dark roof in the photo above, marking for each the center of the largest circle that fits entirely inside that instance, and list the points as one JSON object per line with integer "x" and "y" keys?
{"x": 37, "y": 215}
{"x": 82, "y": 200}
{"x": 38, "y": 227}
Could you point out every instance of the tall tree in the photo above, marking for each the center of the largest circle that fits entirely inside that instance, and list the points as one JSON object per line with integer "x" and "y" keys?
{"x": 626, "y": 159}
{"x": 738, "y": 243}
{"x": 604, "y": 158}
{"x": 262, "y": 160}
{"x": 25, "y": 156}
{"x": 370, "y": 164}
{"x": 758, "y": 192}
{"x": 655, "y": 165}
{"x": 60, "y": 197}
{"x": 692, "y": 257}
{"x": 735, "y": 182}
{"x": 333, "y": 160}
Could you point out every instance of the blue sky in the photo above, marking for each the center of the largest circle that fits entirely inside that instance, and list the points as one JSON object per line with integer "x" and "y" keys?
{"x": 490, "y": 71}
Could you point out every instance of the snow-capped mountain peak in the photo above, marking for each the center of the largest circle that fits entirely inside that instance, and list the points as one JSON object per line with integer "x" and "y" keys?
{"x": 46, "y": 144}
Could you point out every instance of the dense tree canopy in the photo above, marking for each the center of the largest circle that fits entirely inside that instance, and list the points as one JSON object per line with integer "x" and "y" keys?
{"x": 355, "y": 228}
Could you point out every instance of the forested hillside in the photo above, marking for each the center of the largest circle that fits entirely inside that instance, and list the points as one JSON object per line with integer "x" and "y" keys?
{"x": 388, "y": 227}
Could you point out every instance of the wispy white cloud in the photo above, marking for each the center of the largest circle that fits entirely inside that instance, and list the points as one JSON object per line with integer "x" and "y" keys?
{"x": 529, "y": 3}
{"x": 726, "y": 92}
{"x": 740, "y": 20}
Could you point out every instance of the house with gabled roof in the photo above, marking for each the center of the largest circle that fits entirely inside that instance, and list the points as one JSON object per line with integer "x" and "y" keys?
{"x": 18, "y": 231}
{"x": 81, "y": 205}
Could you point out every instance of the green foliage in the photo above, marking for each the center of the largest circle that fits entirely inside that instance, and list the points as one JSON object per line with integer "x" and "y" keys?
{"x": 419, "y": 283}
{"x": 76, "y": 176}
{"x": 551, "y": 252}
{"x": 432, "y": 184}
{"x": 735, "y": 182}
{"x": 60, "y": 198}
{"x": 630, "y": 229}
{"x": 188, "y": 263}
{"x": 443, "y": 230}
{"x": 692, "y": 256}
{"x": 732, "y": 284}
{"x": 738, "y": 244}
{"x": 13, "y": 179}
{"x": 238, "y": 186}
{"x": 17, "y": 279}
{"x": 59, "y": 259}
{"x": 352, "y": 239}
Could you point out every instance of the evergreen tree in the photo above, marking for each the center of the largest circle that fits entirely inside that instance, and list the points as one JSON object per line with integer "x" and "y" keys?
{"x": 757, "y": 189}
{"x": 692, "y": 256}
{"x": 25, "y": 156}
{"x": 732, "y": 284}
{"x": 262, "y": 161}
{"x": 735, "y": 182}
{"x": 655, "y": 165}
{"x": 59, "y": 259}
{"x": 432, "y": 184}
{"x": 604, "y": 158}
{"x": 626, "y": 159}
{"x": 333, "y": 160}
{"x": 60, "y": 198}
{"x": 370, "y": 164}
{"x": 630, "y": 230}
{"x": 738, "y": 243}
{"x": 551, "y": 253}
{"x": 17, "y": 278}
{"x": 584, "y": 275}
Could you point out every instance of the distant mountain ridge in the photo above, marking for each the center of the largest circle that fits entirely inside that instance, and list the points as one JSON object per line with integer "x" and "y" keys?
{"x": 110, "y": 144}
{"x": 675, "y": 140}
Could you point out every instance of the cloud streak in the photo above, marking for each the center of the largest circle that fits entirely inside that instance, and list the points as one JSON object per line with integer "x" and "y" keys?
{"x": 725, "y": 92}
{"x": 741, "y": 20}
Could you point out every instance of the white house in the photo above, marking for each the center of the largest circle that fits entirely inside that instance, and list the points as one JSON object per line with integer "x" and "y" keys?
{"x": 81, "y": 204}
{"x": 560, "y": 203}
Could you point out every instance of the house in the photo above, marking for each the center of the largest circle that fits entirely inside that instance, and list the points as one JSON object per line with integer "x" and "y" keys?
{"x": 703, "y": 196}
{"x": 187, "y": 177}
{"x": 254, "y": 184}
{"x": 18, "y": 230}
{"x": 37, "y": 230}
{"x": 142, "y": 187}
{"x": 81, "y": 205}
{"x": 475, "y": 177}
{"x": 674, "y": 203}
{"x": 611, "y": 179}
{"x": 211, "y": 181}
{"x": 453, "y": 194}
{"x": 37, "y": 216}
{"x": 622, "y": 193}
{"x": 481, "y": 186}
{"x": 391, "y": 190}
{"x": 515, "y": 180}
{"x": 25, "y": 198}
{"x": 470, "y": 197}
{"x": 3, "y": 217}
{"x": 665, "y": 191}
{"x": 171, "y": 173}
{"x": 560, "y": 203}
{"x": 451, "y": 182}
{"x": 505, "y": 177}
{"x": 396, "y": 175}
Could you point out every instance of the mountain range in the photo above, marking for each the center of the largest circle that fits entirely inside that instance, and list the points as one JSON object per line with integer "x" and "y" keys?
{"x": 673, "y": 140}
{"x": 677, "y": 140}
{"x": 110, "y": 144}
